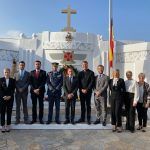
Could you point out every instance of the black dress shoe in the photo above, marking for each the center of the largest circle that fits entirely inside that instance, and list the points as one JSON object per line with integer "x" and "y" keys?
{"x": 33, "y": 121}
{"x": 88, "y": 122}
{"x": 17, "y": 122}
{"x": 97, "y": 121}
{"x": 58, "y": 122}
{"x": 80, "y": 120}
{"x": 41, "y": 122}
{"x": 132, "y": 131}
{"x": 72, "y": 122}
{"x": 48, "y": 122}
{"x": 104, "y": 123}
{"x": 26, "y": 122}
{"x": 143, "y": 129}
{"x": 66, "y": 122}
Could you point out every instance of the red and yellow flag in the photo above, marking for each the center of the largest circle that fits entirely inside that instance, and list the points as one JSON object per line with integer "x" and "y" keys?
{"x": 111, "y": 45}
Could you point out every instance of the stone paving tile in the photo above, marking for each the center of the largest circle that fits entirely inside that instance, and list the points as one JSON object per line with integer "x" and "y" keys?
{"x": 74, "y": 140}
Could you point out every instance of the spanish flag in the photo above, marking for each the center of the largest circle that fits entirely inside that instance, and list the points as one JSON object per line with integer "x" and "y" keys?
{"x": 111, "y": 44}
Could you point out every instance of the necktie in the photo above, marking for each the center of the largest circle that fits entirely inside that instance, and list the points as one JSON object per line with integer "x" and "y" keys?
{"x": 21, "y": 74}
{"x": 99, "y": 77}
{"x": 70, "y": 80}
{"x": 37, "y": 74}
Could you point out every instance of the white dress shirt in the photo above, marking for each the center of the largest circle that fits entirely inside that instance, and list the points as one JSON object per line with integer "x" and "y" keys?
{"x": 100, "y": 75}
{"x": 115, "y": 80}
{"x": 21, "y": 73}
{"x": 7, "y": 82}
{"x": 133, "y": 87}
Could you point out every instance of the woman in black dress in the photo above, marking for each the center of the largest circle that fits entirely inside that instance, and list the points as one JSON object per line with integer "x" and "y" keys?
{"x": 117, "y": 88}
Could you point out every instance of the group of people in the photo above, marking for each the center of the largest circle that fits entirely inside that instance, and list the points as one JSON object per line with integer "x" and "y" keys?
{"x": 135, "y": 95}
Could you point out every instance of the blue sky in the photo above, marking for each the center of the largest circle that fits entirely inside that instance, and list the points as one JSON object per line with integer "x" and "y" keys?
{"x": 131, "y": 17}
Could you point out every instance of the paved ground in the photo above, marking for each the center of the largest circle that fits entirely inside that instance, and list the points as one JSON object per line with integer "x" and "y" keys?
{"x": 74, "y": 140}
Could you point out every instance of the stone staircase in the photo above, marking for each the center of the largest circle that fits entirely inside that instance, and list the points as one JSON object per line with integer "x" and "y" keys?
{"x": 54, "y": 126}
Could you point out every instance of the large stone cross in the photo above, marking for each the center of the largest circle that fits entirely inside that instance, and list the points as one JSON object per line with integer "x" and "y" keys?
{"x": 69, "y": 11}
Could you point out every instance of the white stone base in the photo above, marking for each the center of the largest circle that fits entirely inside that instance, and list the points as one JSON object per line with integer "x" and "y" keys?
{"x": 60, "y": 127}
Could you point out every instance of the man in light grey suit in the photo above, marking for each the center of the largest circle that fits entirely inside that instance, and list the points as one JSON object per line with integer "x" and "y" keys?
{"x": 100, "y": 95}
{"x": 22, "y": 83}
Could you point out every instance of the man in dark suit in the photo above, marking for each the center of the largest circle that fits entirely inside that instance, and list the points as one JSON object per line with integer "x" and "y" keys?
{"x": 7, "y": 87}
{"x": 22, "y": 83}
{"x": 70, "y": 86}
{"x": 54, "y": 82}
{"x": 86, "y": 82}
{"x": 37, "y": 83}
{"x": 100, "y": 95}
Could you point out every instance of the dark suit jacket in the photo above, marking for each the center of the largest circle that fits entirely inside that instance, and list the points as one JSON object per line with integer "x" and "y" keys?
{"x": 119, "y": 90}
{"x": 73, "y": 88}
{"x": 120, "y": 85}
{"x": 22, "y": 83}
{"x": 86, "y": 80}
{"x": 38, "y": 83}
{"x": 7, "y": 91}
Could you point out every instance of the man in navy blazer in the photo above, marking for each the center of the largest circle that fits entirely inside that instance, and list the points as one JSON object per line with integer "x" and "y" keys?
{"x": 22, "y": 83}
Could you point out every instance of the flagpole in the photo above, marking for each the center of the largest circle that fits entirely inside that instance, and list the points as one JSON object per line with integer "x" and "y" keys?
{"x": 110, "y": 16}
{"x": 109, "y": 30}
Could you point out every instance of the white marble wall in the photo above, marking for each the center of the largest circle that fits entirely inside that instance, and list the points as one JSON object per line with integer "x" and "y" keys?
{"x": 135, "y": 57}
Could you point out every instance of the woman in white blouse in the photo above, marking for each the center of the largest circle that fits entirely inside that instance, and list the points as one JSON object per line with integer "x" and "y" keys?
{"x": 143, "y": 103}
{"x": 132, "y": 97}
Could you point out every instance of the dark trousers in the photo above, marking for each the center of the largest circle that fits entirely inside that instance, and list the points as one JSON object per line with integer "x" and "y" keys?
{"x": 116, "y": 110}
{"x": 142, "y": 114}
{"x": 53, "y": 100}
{"x": 6, "y": 108}
{"x": 130, "y": 111}
{"x": 85, "y": 100}
{"x": 21, "y": 97}
{"x": 36, "y": 98}
{"x": 70, "y": 104}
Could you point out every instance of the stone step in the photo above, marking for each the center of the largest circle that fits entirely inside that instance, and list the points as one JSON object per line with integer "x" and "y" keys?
{"x": 53, "y": 126}
{"x": 60, "y": 127}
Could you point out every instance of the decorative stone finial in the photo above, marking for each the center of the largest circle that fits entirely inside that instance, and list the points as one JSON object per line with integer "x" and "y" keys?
{"x": 22, "y": 35}
{"x": 34, "y": 36}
